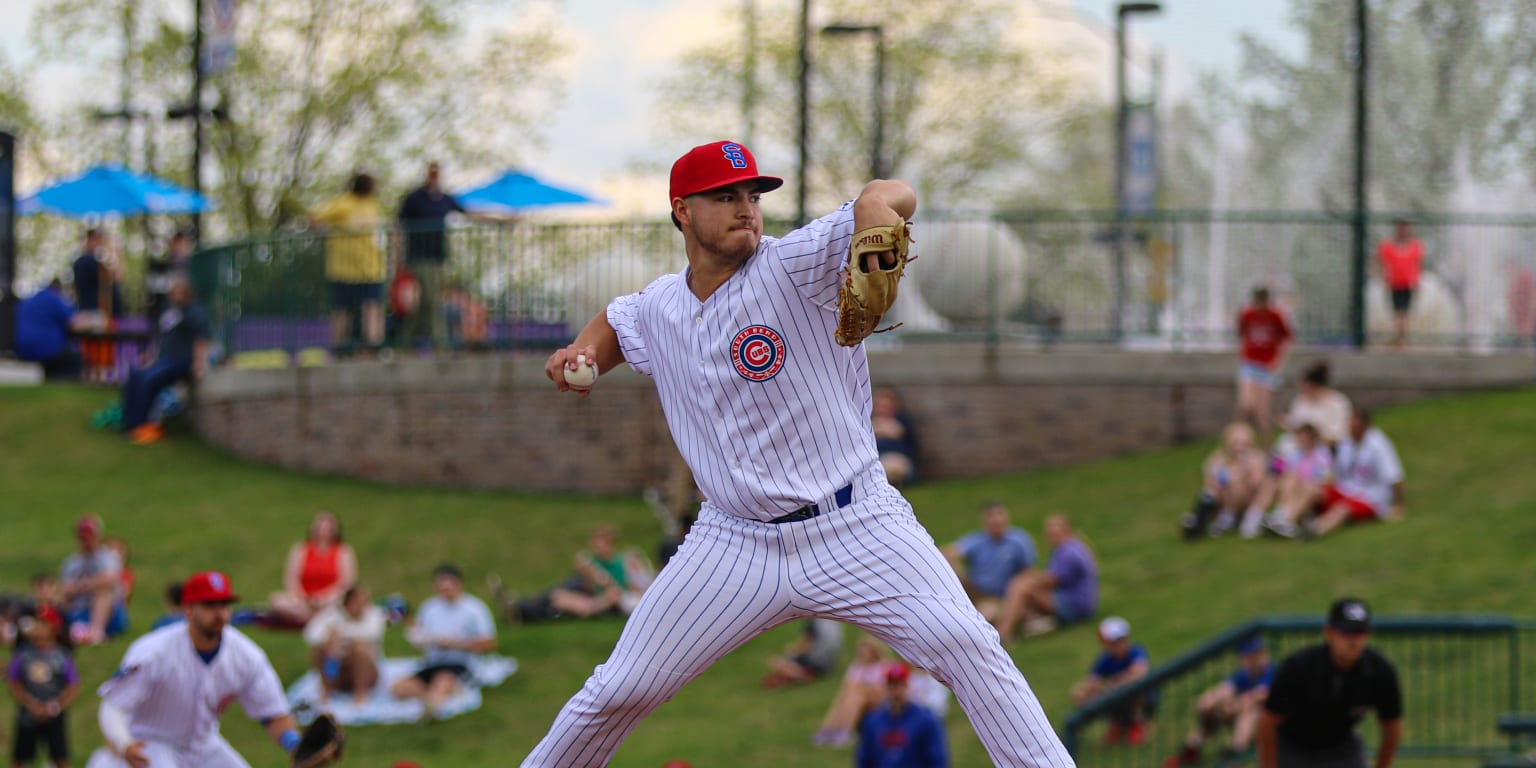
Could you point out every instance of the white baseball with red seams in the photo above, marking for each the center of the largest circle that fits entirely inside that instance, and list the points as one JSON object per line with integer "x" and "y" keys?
{"x": 772, "y": 415}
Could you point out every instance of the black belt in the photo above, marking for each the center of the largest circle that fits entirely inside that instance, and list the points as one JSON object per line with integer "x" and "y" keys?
{"x": 843, "y": 497}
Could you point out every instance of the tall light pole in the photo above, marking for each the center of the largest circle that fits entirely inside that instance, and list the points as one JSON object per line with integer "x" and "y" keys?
{"x": 1362, "y": 169}
{"x": 877, "y": 138}
{"x": 1117, "y": 299}
{"x": 805, "y": 109}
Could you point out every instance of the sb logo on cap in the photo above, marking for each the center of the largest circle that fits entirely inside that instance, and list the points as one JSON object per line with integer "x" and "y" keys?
{"x": 734, "y": 154}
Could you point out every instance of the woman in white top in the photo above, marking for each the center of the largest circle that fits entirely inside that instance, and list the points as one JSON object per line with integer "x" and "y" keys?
{"x": 346, "y": 644}
{"x": 1320, "y": 405}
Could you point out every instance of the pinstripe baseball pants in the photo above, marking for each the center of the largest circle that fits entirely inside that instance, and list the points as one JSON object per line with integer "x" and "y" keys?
{"x": 870, "y": 564}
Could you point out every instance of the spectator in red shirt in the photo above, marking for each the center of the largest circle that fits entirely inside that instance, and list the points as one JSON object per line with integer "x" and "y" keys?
{"x": 1401, "y": 259}
{"x": 1264, "y": 337}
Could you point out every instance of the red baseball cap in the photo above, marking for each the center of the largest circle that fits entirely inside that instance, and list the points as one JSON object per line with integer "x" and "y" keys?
{"x": 88, "y": 524}
{"x": 716, "y": 165}
{"x": 207, "y": 587}
{"x": 897, "y": 673}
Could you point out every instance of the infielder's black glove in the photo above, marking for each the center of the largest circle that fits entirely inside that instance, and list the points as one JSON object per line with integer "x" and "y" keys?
{"x": 320, "y": 744}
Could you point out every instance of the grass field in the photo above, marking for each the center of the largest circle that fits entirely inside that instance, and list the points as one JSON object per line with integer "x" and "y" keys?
{"x": 1464, "y": 546}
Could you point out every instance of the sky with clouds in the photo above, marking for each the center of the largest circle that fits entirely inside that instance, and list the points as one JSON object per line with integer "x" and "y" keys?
{"x": 621, "y": 49}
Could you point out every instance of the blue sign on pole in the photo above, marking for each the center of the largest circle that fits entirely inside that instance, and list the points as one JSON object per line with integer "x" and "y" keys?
{"x": 1140, "y": 189}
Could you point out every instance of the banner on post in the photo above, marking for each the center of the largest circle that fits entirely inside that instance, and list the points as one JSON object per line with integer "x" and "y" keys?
{"x": 219, "y": 36}
{"x": 1140, "y": 188}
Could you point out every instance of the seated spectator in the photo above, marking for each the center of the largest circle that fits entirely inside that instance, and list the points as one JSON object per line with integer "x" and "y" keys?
{"x": 605, "y": 581}
{"x": 174, "y": 610}
{"x": 465, "y": 317}
{"x": 895, "y": 440}
{"x": 1367, "y": 483}
{"x": 183, "y": 354}
{"x": 1235, "y": 482}
{"x": 43, "y": 323}
{"x": 318, "y": 571}
{"x": 1306, "y": 469}
{"x": 92, "y": 585}
{"x": 449, "y": 628}
{"x": 899, "y": 732}
{"x": 862, "y": 688}
{"x": 1120, "y": 662}
{"x": 812, "y": 656}
{"x": 1235, "y": 701}
{"x": 1320, "y": 405}
{"x": 992, "y": 562}
{"x": 1066, "y": 591}
{"x": 119, "y": 545}
{"x": 346, "y": 643}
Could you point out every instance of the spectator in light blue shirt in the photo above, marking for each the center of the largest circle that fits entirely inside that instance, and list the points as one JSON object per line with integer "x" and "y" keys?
{"x": 450, "y": 628}
{"x": 992, "y": 562}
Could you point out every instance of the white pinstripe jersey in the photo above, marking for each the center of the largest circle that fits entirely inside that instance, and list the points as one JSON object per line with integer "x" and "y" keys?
{"x": 770, "y": 413}
{"x": 174, "y": 697}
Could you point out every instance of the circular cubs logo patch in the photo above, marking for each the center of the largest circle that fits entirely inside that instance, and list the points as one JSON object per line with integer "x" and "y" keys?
{"x": 758, "y": 352}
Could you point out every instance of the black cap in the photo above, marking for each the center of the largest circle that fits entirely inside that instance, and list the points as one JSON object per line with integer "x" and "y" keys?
{"x": 1349, "y": 614}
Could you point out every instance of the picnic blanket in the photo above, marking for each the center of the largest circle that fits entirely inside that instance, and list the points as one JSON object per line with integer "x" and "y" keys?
{"x": 381, "y": 708}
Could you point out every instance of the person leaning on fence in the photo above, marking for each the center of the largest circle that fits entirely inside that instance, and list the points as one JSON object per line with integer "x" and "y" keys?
{"x": 1402, "y": 259}
{"x": 354, "y": 265}
{"x": 423, "y": 215}
{"x": 1237, "y": 701}
{"x": 1322, "y": 691}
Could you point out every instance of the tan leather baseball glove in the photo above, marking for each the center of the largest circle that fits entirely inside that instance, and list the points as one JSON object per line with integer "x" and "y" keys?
{"x": 869, "y": 290}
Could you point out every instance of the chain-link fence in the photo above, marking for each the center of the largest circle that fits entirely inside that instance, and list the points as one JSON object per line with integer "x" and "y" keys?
{"x": 1458, "y": 674}
{"x": 1177, "y": 280}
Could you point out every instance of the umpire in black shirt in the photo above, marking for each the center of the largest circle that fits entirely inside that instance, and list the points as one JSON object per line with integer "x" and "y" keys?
{"x": 1322, "y": 691}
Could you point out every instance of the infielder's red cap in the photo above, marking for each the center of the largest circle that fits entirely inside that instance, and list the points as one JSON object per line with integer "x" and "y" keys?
{"x": 207, "y": 587}
{"x": 716, "y": 165}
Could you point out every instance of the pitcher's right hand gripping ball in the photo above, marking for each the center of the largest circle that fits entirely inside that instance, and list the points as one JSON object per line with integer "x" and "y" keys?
{"x": 320, "y": 745}
{"x": 867, "y": 293}
{"x": 583, "y": 376}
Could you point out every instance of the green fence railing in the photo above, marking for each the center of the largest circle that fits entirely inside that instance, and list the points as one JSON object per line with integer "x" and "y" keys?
{"x": 1037, "y": 276}
{"x": 1458, "y": 672}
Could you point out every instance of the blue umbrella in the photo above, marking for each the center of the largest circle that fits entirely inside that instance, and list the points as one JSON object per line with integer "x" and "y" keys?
{"x": 515, "y": 191}
{"x": 112, "y": 189}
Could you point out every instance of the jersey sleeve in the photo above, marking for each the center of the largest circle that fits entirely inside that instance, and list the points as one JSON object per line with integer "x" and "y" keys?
{"x": 1391, "y": 466}
{"x": 625, "y": 319}
{"x": 1389, "y": 695}
{"x": 814, "y": 255}
{"x": 483, "y": 624}
{"x": 262, "y": 696}
{"x": 1284, "y": 689}
{"x": 134, "y": 680}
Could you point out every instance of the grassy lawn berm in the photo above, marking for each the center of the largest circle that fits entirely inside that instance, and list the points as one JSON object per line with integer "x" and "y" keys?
{"x": 1465, "y": 546}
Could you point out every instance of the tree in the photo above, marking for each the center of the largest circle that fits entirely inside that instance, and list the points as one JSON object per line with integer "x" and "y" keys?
{"x": 319, "y": 89}
{"x": 967, "y": 103}
{"x": 1452, "y": 91}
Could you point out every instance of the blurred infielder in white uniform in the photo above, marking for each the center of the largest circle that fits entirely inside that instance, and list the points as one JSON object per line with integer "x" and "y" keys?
{"x": 773, "y": 418}
{"x": 162, "y": 708}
